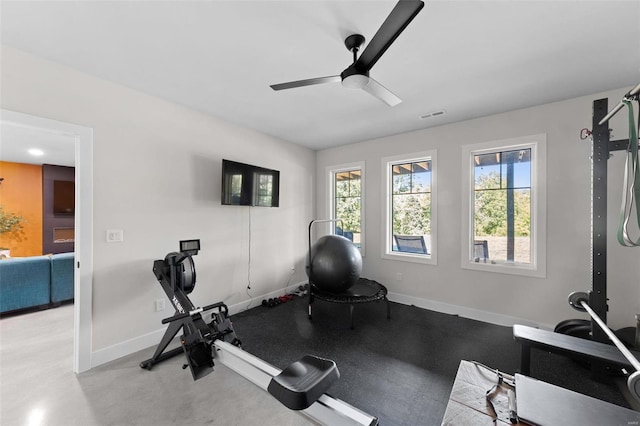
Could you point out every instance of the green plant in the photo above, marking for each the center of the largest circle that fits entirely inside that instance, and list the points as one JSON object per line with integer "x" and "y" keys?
{"x": 10, "y": 222}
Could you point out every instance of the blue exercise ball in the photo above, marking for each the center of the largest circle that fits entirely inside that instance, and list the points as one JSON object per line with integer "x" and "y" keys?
{"x": 336, "y": 264}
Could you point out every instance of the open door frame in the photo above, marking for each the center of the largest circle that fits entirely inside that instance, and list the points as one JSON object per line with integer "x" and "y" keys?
{"x": 83, "y": 274}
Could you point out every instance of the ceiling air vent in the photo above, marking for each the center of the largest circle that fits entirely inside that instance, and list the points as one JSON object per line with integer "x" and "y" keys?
{"x": 433, "y": 114}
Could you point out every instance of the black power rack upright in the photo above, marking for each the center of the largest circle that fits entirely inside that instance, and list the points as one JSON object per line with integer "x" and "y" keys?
{"x": 602, "y": 147}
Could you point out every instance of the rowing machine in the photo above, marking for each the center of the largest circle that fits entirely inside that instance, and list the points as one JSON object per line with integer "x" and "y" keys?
{"x": 300, "y": 386}
{"x": 177, "y": 276}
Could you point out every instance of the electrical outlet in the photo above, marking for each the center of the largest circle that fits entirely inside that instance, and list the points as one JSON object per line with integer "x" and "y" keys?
{"x": 159, "y": 305}
{"x": 398, "y": 276}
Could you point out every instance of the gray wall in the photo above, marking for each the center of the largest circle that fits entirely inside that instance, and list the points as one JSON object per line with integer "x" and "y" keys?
{"x": 491, "y": 296}
{"x": 157, "y": 171}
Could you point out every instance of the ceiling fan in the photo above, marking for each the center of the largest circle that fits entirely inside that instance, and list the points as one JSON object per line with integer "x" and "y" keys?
{"x": 356, "y": 76}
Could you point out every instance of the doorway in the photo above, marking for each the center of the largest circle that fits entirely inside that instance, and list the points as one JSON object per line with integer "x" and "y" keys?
{"x": 83, "y": 271}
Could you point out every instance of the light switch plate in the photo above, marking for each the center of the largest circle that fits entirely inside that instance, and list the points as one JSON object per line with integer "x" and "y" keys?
{"x": 115, "y": 235}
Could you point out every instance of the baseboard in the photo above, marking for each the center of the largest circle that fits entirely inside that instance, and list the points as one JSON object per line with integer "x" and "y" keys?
{"x": 257, "y": 301}
{"x": 130, "y": 346}
{"x": 125, "y": 348}
{"x": 148, "y": 340}
{"x": 463, "y": 311}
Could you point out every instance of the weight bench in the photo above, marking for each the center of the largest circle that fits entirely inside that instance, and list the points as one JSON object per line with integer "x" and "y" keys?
{"x": 530, "y": 337}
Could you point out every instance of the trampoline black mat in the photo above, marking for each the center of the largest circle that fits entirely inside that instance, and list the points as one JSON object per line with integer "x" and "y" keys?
{"x": 363, "y": 291}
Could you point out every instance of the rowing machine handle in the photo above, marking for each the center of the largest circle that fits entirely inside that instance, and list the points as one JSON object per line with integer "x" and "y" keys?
{"x": 197, "y": 311}
{"x": 175, "y": 318}
{"x": 218, "y": 305}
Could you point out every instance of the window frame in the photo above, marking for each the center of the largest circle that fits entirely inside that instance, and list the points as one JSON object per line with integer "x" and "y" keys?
{"x": 331, "y": 174}
{"x": 387, "y": 199}
{"x": 537, "y": 266}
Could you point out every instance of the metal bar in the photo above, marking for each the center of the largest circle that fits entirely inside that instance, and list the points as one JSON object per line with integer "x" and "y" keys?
{"x": 309, "y": 253}
{"x": 619, "y": 106}
{"x": 510, "y": 212}
{"x": 619, "y": 145}
{"x": 621, "y": 347}
{"x": 323, "y": 221}
{"x": 600, "y": 158}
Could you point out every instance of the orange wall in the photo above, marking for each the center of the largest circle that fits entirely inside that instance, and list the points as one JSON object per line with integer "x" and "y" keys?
{"x": 21, "y": 193}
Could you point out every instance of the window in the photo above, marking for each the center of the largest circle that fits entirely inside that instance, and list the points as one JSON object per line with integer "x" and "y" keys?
{"x": 410, "y": 207}
{"x": 346, "y": 183}
{"x": 506, "y": 206}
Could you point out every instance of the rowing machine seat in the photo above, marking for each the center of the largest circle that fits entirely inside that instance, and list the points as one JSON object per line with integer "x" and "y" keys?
{"x": 303, "y": 382}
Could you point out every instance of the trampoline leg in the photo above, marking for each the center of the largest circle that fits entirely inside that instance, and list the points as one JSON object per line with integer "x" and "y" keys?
{"x": 351, "y": 315}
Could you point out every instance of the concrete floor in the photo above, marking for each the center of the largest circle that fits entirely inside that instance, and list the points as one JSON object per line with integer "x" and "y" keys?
{"x": 38, "y": 387}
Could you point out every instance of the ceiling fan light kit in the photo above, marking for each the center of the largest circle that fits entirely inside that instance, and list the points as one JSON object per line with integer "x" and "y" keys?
{"x": 356, "y": 76}
{"x": 354, "y": 79}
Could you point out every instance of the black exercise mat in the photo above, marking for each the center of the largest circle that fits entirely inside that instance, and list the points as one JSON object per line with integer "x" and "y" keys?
{"x": 401, "y": 369}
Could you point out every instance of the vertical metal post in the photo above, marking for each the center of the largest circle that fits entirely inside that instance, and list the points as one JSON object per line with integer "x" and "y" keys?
{"x": 600, "y": 158}
{"x": 510, "y": 210}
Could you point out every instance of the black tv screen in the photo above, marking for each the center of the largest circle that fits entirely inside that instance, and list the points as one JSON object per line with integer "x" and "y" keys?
{"x": 247, "y": 185}
{"x": 64, "y": 197}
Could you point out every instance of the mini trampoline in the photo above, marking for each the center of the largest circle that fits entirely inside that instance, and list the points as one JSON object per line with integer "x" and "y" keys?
{"x": 363, "y": 291}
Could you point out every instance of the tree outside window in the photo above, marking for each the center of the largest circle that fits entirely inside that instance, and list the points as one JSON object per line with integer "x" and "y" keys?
{"x": 410, "y": 208}
{"x": 504, "y": 223}
{"x": 348, "y": 204}
{"x": 502, "y": 204}
{"x": 411, "y": 190}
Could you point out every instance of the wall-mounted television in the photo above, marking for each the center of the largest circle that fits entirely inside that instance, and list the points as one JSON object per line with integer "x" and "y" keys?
{"x": 64, "y": 197}
{"x": 247, "y": 185}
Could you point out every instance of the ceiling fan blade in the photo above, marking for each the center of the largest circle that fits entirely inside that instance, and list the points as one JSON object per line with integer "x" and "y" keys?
{"x": 401, "y": 15}
{"x": 308, "y": 82}
{"x": 381, "y": 92}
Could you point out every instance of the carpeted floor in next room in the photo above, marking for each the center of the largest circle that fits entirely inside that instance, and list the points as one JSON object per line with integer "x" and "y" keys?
{"x": 400, "y": 370}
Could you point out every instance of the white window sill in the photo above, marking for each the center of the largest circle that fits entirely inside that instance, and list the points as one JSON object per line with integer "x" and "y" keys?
{"x": 506, "y": 268}
{"x": 410, "y": 257}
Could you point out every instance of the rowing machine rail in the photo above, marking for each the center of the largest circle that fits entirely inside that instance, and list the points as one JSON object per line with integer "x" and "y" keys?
{"x": 326, "y": 410}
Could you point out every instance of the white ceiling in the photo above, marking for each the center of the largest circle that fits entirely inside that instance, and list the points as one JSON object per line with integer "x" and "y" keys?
{"x": 469, "y": 58}
{"x": 16, "y": 141}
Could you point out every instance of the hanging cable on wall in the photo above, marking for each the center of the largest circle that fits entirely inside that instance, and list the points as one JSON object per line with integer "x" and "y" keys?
{"x": 249, "y": 265}
{"x": 631, "y": 185}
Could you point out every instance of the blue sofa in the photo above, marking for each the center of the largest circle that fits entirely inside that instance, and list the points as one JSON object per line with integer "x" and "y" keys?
{"x": 62, "y": 277}
{"x": 27, "y": 282}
